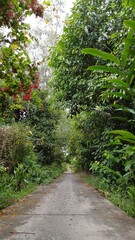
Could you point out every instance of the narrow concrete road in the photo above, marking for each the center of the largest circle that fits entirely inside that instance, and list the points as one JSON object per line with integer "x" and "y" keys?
{"x": 66, "y": 210}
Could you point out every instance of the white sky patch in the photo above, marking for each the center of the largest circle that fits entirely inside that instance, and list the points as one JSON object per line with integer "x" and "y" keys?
{"x": 47, "y": 29}
{"x": 68, "y": 5}
{"x": 33, "y": 21}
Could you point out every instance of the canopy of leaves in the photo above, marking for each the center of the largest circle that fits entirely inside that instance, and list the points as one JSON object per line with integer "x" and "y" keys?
{"x": 19, "y": 76}
{"x": 12, "y": 11}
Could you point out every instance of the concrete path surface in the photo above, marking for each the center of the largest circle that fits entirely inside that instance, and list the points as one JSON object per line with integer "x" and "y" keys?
{"x": 66, "y": 210}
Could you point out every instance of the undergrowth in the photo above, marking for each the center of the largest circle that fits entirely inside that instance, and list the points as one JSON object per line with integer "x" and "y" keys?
{"x": 13, "y": 188}
{"x": 124, "y": 200}
{"x": 10, "y": 196}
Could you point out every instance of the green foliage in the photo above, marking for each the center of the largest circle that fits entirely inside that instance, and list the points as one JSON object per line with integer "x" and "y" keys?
{"x": 16, "y": 145}
{"x": 98, "y": 85}
{"x": 99, "y": 68}
{"x": 71, "y": 82}
{"x": 102, "y": 54}
{"x": 120, "y": 93}
{"x": 123, "y": 200}
{"x": 125, "y": 136}
{"x": 101, "y": 87}
{"x": 18, "y": 73}
{"x": 24, "y": 180}
{"x": 43, "y": 121}
{"x": 25, "y": 147}
{"x": 13, "y": 11}
{"x": 87, "y": 140}
{"x": 129, "y": 3}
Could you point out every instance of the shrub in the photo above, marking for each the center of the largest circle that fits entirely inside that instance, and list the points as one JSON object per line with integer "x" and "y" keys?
{"x": 15, "y": 145}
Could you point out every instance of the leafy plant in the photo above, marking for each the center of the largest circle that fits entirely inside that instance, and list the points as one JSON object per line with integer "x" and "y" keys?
{"x": 70, "y": 80}
{"x": 119, "y": 85}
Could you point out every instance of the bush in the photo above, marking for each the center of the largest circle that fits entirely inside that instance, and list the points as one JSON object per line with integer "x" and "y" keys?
{"x": 24, "y": 180}
{"x": 15, "y": 145}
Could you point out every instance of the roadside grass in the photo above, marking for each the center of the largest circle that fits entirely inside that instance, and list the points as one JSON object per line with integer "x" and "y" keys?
{"x": 10, "y": 195}
{"x": 121, "y": 200}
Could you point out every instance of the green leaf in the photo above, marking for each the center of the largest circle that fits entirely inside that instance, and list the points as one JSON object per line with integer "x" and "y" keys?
{"x": 131, "y": 148}
{"x": 126, "y": 110}
{"x": 126, "y": 139}
{"x": 102, "y": 54}
{"x": 128, "y": 3}
{"x": 130, "y": 77}
{"x": 119, "y": 82}
{"x": 125, "y": 134}
{"x": 130, "y": 110}
{"x": 125, "y": 52}
{"x": 116, "y": 95}
{"x": 130, "y": 23}
{"x": 47, "y": 2}
{"x": 131, "y": 52}
{"x": 113, "y": 35}
{"x": 132, "y": 3}
{"x": 120, "y": 118}
{"x": 1, "y": 83}
{"x": 128, "y": 166}
{"x": 107, "y": 86}
{"x": 130, "y": 41}
{"x": 100, "y": 68}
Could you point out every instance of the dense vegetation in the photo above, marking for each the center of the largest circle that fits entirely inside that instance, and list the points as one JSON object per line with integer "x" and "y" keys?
{"x": 29, "y": 154}
{"x": 93, "y": 80}
{"x": 94, "y": 74}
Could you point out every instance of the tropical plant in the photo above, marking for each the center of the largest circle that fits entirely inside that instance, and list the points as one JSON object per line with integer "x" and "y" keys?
{"x": 119, "y": 95}
{"x": 71, "y": 82}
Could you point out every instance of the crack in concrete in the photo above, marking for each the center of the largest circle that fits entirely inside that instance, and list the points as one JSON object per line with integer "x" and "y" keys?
{"x": 55, "y": 214}
{"x": 26, "y": 233}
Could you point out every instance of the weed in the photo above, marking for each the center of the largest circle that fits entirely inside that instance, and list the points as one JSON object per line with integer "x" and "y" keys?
{"x": 22, "y": 182}
{"x": 124, "y": 200}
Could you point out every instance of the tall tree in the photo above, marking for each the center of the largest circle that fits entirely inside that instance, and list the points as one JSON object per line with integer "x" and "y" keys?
{"x": 91, "y": 24}
{"x": 18, "y": 74}
{"x": 106, "y": 93}
{"x": 45, "y": 32}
